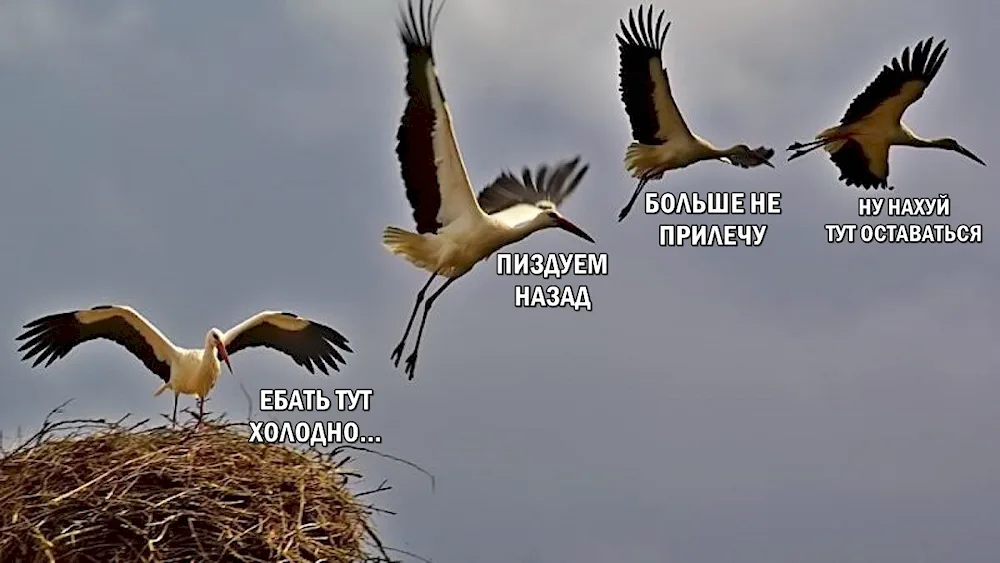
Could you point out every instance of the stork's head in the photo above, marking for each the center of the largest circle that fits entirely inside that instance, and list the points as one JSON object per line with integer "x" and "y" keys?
{"x": 952, "y": 145}
{"x": 552, "y": 218}
{"x": 214, "y": 338}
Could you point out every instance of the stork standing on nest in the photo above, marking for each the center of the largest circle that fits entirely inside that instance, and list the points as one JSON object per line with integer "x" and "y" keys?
{"x": 183, "y": 370}
{"x": 663, "y": 140}
{"x": 454, "y": 231}
{"x": 859, "y": 146}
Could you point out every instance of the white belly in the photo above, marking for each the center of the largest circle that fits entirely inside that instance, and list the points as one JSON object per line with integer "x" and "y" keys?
{"x": 192, "y": 376}
{"x": 458, "y": 256}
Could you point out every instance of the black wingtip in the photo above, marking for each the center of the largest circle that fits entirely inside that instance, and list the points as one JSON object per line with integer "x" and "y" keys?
{"x": 37, "y": 322}
{"x": 638, "y": 29}
{"x": 416, "y": 27}
{"x": 334, "y": 337}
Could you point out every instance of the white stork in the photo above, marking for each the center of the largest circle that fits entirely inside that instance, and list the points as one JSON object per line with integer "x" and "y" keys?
{"x": 859, "y": 146}
{"x": 663, "y": 140}
{"x": 183, "y": 370}
{"x": 514, "y": 207}
{"x": 454, "y": 229}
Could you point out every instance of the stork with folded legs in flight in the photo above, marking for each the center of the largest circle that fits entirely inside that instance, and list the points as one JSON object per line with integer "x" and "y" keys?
{"x": 663, "y": 140}
{"x": 455, "y": 230}
{"x": 859, "y": 146}
{"x": 183, "y": 370}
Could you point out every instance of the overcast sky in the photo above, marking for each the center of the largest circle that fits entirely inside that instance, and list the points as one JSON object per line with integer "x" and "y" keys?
{"x": 796, "y": 402}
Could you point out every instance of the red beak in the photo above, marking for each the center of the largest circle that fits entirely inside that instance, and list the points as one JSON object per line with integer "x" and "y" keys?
{"x": 224, "y": 355}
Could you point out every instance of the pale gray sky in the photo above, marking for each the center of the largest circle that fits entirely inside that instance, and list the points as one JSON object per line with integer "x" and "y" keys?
{"x": 794, "y": 402}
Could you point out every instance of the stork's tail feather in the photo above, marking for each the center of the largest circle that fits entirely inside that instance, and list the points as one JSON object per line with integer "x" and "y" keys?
{"x": 642, "y": 161}
{"x": 409, "y": 245}
{"x": 161, "y": 389}
{"x": 399, "y": 241}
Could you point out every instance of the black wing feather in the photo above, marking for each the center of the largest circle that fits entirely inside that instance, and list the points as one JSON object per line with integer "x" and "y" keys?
{"x": 636, "y": 46}
{"x": 854, "y": 167}
{"x": 415, "y": 136}
{"x": 316, "y": 344}
{"x": 52, "y": 337}
{"x": 923, "y": 66}
{"x": 507, "y": 190}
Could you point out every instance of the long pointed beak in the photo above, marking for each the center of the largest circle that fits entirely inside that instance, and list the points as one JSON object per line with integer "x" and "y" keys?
{"x": 568, "y": 225}
{"x": 224, "y": 355}
{"x": 966, "y": 152}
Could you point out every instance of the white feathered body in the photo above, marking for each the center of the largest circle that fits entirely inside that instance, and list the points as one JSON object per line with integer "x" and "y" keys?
{"x": 193, "y": 372}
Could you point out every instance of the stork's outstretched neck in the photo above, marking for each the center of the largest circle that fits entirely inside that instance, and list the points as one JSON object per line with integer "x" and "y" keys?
{"x": 945, "y": 143}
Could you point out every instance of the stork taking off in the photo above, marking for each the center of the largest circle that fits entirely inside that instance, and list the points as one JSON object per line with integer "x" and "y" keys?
{"x": 454, "y": 230}
{"x": 859, "y": 146}
{"x": 183, "y": 370}
{"x": 511, "y": 210}
{"x": 662, "y": 138}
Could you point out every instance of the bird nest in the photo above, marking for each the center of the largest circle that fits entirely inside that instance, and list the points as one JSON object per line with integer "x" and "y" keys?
{"x": 91, "y": 490}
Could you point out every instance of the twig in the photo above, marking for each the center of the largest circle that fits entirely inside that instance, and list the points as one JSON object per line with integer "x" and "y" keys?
{"x": 409, "y": 554}
{"x": 379, "y": 489}
{"x": 433, "y": 479}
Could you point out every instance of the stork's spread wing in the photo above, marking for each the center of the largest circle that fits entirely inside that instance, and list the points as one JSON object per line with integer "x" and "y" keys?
{"x": 760, "y": 155}
{"x": 52, "y": 337}
{"x": 897, "y": 86}
{"x": 305, "y": 341}
{"x": 437, "y": 184}
{"x": 644, "y": 85}
{"x": 514, "y": 201}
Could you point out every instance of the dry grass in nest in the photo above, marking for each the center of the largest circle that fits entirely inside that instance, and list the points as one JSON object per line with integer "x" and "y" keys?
{"x": 92, "y": 490}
